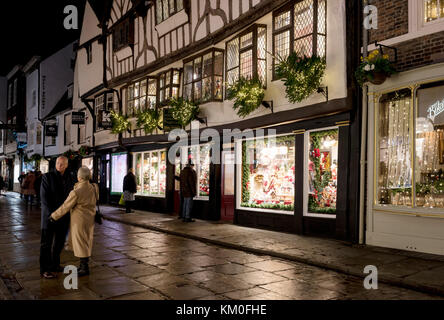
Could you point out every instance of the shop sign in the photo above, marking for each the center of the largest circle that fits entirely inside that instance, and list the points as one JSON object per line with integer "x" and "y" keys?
{"x": 51, "y": 130}
{"x": 168, "y": 121}
{"x": 105, "y": 121}
{"x": 78, "y": 118}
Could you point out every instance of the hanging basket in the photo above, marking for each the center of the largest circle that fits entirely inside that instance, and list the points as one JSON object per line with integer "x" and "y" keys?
{"x": 378, "y": 78}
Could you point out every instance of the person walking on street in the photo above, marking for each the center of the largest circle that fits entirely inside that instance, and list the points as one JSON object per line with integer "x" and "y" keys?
{"x": 20, "y": 179}
{"x": 37, "y": 185}
{"x": 28, "y": 188}
{"x": 81, "y": 202}
{"x": 55, "y": 188}
{"x": 188, "y": 189}
{"x": 2, "y": 185}
{"x": 129, "y": 189}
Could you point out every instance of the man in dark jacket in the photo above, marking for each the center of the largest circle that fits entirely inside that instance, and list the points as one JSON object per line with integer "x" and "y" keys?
{"x": 188, "y": 190}
{"x": 129, "y": 189}
{"x": 54, "y": 190}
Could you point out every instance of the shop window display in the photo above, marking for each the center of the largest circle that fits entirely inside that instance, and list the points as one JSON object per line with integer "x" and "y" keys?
{"x": 323, "y": 171}
{"x": 200, "y": 156}
{"x": 268, "y": 173}
{"x": 394, "y": 184}
{"x": 429, "y": 167}
{"x": 150, "y": 168}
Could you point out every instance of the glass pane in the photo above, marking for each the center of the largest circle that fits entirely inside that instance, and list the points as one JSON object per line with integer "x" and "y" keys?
{"x": 204, "y": 171}
{"x": 152, "y": 87}
{"x": 246, "y": 64}
{"x": 130, "y": 93}
{"x": 323, "y": 171}
{"x": 233, "y": 53}
{"x": 322, "y": 21}
{"x": 282, "y": 44}
{"x": 172, "y": 7}
{"x": 159, "y": 11}
{"x": 208, "y": 65}
{"x": 162, "y": 95}
{"x": 136, "y": 106}
{"x": 143, "y": 88}
{"x": 282, "y": 20}
{"x": 262, "y": 71}
{"x": 431, "y": 10}
{"x": 394, "y": 154}
{"x": 206, "y": 89}
{"x": 229, "y": 161}
{"x": 162, "y": 81}
{"x": 136, "y": 90}
{"x": 138, "y": 169}
{"x": 218, "y": 85}
{"x": 303, "y": 18}
{"x": 197, "y": 90}
{"x": 179, "y": 4}
{"x": 176, "y": 77}
{"x": 187, "y": 90}
{"x": 268, "y": 173}
{"x": 429, "y": 169}
{"x": 142, "y": 106}
{"x": 197, "y": 68}
{"x": 218, "y": 63}
{"x": 146, "y": 174}
{"x": 304, "y": 46}
{"x": 321, "y": 46}
{"x": 151, "y": 102}
{"x": 175, "y": 92}
{"x": 233, "y": 76}
{"x": 162, "y": 174}
{"x": 165, "y": 9}
{"x": 188, "y": 69}
{"x": 261, "y": 43}
{"x": 130, "y": 108}
{"x": 167, "y": 78}
{"x": 154, "y": 173}
{"x": 246, "y": 40}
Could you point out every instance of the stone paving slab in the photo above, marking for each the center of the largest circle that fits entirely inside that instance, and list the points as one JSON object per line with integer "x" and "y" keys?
{"x": 418, "y": 271}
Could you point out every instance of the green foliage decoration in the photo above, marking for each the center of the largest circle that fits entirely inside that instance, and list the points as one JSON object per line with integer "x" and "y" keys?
{"x": 184, "y": 111}
{"x": 302, "y": 76}
{"x": 120, "y": 123}
{"x": 373, "y": 64}
{"x": 247, "y": 94}
{"x": 148, "y": 120}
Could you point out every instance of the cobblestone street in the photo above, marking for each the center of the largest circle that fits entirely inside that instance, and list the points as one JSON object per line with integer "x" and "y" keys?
{"x": 134, "y": 263}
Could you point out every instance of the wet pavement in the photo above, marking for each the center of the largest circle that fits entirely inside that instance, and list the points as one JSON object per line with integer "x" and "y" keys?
{"x": 134, "y": 263}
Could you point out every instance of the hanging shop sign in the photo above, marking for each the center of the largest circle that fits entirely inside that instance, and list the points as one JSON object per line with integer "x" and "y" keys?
{"x": 51, "y": 130}
{"x": 78, "y": 118}
{"x": 168, "y": 120}
{"x": 105, "y": 121}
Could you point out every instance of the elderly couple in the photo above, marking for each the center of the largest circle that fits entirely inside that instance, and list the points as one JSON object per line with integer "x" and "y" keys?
{"x": 67, "y": 205}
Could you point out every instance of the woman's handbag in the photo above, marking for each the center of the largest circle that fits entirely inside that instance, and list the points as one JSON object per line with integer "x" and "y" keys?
{"x": 99, "y": 216}
{"x": 122, "y": 200}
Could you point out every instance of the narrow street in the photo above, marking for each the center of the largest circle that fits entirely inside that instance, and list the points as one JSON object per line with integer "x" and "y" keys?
{"x": 134, "y": 263}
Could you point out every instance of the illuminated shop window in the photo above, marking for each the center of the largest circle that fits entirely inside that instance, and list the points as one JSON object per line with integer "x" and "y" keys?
{"x": 203, "y": 77}
{"x": 267, "y": 177}
{"x": 150, "y": 169}
{"x": 433, "y": 10}
{"x": 429, "y": 167}
{"x": 394, "y": 173}
{"x": 300, "y": 27}
{"x": 323, "y": 171}
{"x": 247, "y": 56}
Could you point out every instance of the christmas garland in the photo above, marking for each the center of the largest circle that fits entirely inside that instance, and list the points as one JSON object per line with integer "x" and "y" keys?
{"x": 71, "y": 155}
{"x": 321, "y": 179}
{"x": 183, "y": 111}
{"x": 148, "y": 120}
{"x": 302, "y": 76}
{"x": 245, "y": 174}
{"x": 281, "y": 207}
{"x": 247, "y": 94}
{"x": 120, "y": 123}
{"x": 84, "y": 151}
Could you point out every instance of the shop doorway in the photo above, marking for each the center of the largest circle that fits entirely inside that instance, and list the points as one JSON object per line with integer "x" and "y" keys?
{"x": 227, "y": 203}
{"x": 177, "y": 199}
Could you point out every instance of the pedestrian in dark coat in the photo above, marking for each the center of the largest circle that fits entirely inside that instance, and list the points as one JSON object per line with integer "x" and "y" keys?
{"x": 188, "y": 189}
{"x": 129, "y": 189}
{"x": 20, "y": 179}
{"x": 54, "y": 190}
{"x": 2, "y": 185}
{"x": 37, "y": 185}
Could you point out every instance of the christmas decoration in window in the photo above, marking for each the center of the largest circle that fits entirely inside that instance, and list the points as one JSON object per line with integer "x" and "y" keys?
{"x": 150, "y": 170}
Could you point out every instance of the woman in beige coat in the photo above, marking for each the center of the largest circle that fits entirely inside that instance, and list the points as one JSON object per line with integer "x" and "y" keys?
{"x": 81, "y": 202}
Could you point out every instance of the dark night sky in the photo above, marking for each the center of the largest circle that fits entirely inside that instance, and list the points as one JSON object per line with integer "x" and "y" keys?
{"x": 34, "y": 27}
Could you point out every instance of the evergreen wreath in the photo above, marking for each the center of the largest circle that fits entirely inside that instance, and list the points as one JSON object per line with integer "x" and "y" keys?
{"x": 302, "y": 76}
{"x": 183, "y": 111}
{"x": 71, "y": 155}
{"x": 84, "y": 151}
{"x": 247, "y": 94}
{"x": 120, "y": 123}
{"x": 148, "y": 120}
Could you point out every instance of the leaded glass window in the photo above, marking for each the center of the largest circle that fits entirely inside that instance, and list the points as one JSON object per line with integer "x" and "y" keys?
{"x": 167, "y": 8}
{"x": 247, "y": 55}
{"x": 141, "y": 95}
{"x": 169, "y": 84}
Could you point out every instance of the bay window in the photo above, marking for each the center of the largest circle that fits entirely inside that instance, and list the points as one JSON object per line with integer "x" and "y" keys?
{"x": 203, "y": 77}
{"x": 246, "y": 55}
{"x": 169, "y": 84}
{"x": 267, "y": 174}
{"x": 141, "y": 96}
{"x": 300, "y": 27}
{"x": 150, "y": 169}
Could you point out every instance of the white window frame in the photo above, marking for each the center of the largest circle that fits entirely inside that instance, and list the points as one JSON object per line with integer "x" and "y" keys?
{"x": 306, "y": 178}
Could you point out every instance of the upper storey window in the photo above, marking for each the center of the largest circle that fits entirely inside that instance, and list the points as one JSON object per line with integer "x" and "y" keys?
{"x": 123, "y": 34}
{"x": 433, "y": 10}
{"x": 247, "y": 55}
{"x": 167, "y": 8}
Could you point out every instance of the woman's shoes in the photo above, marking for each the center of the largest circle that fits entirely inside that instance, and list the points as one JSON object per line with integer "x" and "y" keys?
{"x": 83, "y": 269}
